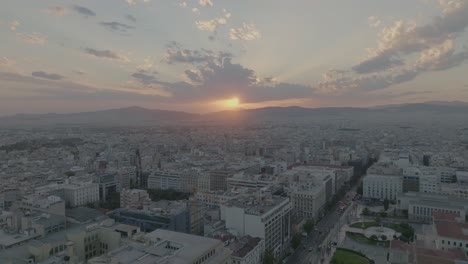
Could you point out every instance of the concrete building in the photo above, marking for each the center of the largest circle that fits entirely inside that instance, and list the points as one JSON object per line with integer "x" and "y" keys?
{"x": 108, "y": 184}
{"x": 263, "y": 216}
{"x": 80, "y": 194}
{"x": 163, "y": 247}
{"x": 421, "y": 206}
{"x": 252, "y": 182}
{"x": 307, "y": 199}
{"x": 247, "y": 250}
{"x": 165, "y": 180}
{"x": 218, "y": 179}
{"x": 134, "y": 199}
{"x": 451, "y": 231}
{"x": 78, "y": 243}
{"x": 168, "y": 215}
{"x": 384, "y": 180}
{"x": 404, "y": 253}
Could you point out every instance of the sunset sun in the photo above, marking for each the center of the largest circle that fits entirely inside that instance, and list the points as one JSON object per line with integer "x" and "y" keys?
{"x": 233, "y": 102}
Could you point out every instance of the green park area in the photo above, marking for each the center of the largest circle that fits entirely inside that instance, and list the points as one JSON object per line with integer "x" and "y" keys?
{"x": 345, "y": 256}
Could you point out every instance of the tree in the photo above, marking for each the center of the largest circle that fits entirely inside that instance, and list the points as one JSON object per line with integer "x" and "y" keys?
{"x": 69, "y": 173}
{"x": 366, "y": 211}
{"x": 308, "y": 226}
{"x": 383, "y": 214}
{"x": 296, "y": 241}
{"x": 378, "y": 220}
{"x": 374, "y": 237}
{"x": 268, "y": 257}
{"x": 386, "y": 204}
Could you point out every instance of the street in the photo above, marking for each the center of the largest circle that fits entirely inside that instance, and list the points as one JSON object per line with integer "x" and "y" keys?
{"x": 317, "y": 237}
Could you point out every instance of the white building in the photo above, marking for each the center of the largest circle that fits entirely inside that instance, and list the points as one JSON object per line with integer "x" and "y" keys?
{"x": 263, "y": 216}
{"x": 307, "y": 199}
{"x": 421, "y": 206}
{"x": 165, "y": 180}
{"x": 81, "y": 194}
{"x": 382, "y": 186}
{"x": 252, "y": 182}
{"x": 384, "y": 180}
{"x": 163, "y": 246}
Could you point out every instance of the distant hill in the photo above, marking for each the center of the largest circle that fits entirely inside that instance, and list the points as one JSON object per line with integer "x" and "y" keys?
{"x": 122, "y": 117}
{"x": 137, "y": 116}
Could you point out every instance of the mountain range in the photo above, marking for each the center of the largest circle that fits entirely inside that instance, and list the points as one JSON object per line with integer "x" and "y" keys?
{"x": 132, "y": 116}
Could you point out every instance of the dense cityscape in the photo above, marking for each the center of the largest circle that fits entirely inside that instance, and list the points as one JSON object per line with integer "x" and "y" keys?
{"x": 234, "y": 132}
{"x": 266, "y": 193}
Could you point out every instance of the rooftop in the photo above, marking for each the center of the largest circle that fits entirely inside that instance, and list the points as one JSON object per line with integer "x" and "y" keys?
{"x": 241, "y": 247}
{"x": 446, "y": 225}
{"x": 428, "y": 255}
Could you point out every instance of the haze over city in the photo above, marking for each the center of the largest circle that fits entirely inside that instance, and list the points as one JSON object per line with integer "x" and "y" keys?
{"x": 234, "y": 132}
{"x": 211, "y": 55}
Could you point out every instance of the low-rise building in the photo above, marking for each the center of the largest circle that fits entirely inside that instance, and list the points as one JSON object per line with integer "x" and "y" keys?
{"x": 404, "y": 253}
{"x": 168, "y": 215}
{"x": 163, "y": 246}
{"x": 451, "y": 231}
{"x": 420, "y": 206}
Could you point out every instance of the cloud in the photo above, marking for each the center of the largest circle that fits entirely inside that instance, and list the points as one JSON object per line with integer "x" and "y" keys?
{"x": 374, "y": 21}
{"x": 57, "y": 10}
{"x": 441, "y": 57}
{"x": 84, "y": 11}
{"x": 52, "y": 92}
{"x": 131, "y": 18}
{"x": 212, "y": 24}
{"x": 105, "y": 54}
{"x": 378, "y": 63}
{"x": 145, "y": 78}
{"x": 205, "y": 3}
{"x": 402, "y": 39}
{"x": 196, "y": 11}
{"x": 79, "y": 72}
{"x": 14, "y": 25}
{"x": 344, "y": 81}
{"x": 34, "y": 38}
{"x": 246, "y": 32}
{"x": 176, "y": 54}
{"x": 116, "y": 27}
{"x": 134, "y": 2}
{"x": 49, "y": 76}
{"x": 183, "y": 4}
{"x": 213, "y": 76}
{"x": 406, "y": 50}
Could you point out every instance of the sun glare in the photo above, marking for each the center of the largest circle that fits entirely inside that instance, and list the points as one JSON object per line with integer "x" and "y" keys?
{"x": 234, "y": 102}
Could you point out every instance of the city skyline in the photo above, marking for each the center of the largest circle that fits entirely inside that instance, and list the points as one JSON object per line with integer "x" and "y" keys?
{"x": 211, "y": 55}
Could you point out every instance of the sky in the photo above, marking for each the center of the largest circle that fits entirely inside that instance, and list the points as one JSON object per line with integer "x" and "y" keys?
{"x": 211, "y": 55}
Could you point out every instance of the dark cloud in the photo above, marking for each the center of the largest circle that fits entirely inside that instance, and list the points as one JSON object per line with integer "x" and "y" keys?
{"x": 84, "y": 11}
{"x": 49, "y": 76}
{"x": 216, "y": 77}
{"x": 193, "y": 76}
{"x": 116, "y": 27}
{"x": 106, "y": 54}
{"x": 145, "y": 78}
{"x": 131, "y": 18}
{"x": 378, "y": 63}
